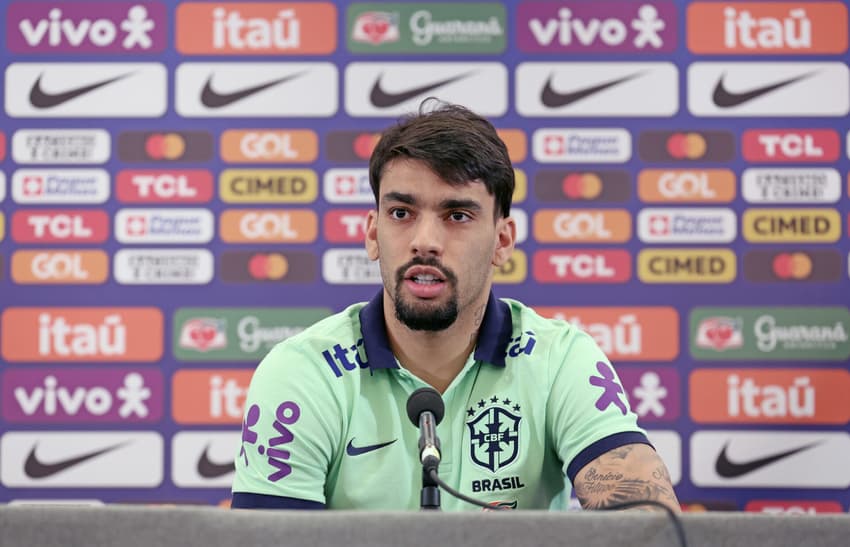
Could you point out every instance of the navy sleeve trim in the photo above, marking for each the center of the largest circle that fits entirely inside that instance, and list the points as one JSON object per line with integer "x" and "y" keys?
{"x": 245, "y": 500}
{"x": 602, "y": 446}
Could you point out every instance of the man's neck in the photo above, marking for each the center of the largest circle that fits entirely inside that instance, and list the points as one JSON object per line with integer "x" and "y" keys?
{"x": 434, "y": 357}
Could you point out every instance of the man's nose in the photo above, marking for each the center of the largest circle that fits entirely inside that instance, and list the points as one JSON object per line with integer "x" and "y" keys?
{"x": 428, "y": 236}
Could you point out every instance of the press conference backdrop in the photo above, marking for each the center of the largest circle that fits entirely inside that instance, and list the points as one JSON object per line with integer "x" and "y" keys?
{"x": 183, "y": 184}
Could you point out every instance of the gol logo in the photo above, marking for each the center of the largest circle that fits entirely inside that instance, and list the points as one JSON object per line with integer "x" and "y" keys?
{"x": 70, "y": 267}
{"x": 672, "y": 146}
{"x": 212, "y": 396}
{"x": 81, "y": 334}
{"x": 268, "y": 226}
{"x": 686, "y": 266}
{"x": 515, "y": 270}
{"x": 582, "y": 225}
{"x": 770, "y": 396}
{"x": 183, "y": 146}
{"x": 686, "y": 186}
{"x": 60, "y": 226}
{"x": 164, "y": 186}
{"x": 787, "y": 225}
{"x": 345, "y": 225}
{"x": 647, "y": 333}
{"x": 585, "y": 266}
{"x": 256, "y": 146}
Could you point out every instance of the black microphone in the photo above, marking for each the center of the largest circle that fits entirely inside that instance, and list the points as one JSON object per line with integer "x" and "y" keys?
{"x": 425, "y": 409}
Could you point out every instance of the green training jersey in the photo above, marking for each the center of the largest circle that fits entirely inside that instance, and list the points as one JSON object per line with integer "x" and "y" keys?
{"x": 326, "y": 421}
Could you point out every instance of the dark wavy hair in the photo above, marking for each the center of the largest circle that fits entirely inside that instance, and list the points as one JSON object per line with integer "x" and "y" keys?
{"x": 458, "y": 145}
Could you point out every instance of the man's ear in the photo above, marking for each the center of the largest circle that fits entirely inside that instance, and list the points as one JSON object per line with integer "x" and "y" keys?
{"x": 505, "y": 239}
{"x": 371, "y": 230}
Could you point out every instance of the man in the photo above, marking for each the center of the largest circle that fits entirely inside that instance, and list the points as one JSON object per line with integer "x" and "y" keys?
{"x": 529, "y": 402}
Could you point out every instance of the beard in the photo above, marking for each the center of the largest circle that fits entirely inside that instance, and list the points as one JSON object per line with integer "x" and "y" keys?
{"x": 426, "y": 317}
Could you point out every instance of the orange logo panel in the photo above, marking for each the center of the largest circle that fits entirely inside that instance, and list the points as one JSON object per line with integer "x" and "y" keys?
{"x": 210, "y": 396}
{"x": 255, "y": 28}
{"x": 81, "y": 334}
{"x": 516, "y": 143}
{"x": 257, "y": 146}
{"x": 775, "y": 396}
{"x": 60, "y": 267}
{"x": 686, "y": 185}
{"x": 268, "y": 225}
{"x": 582, "y": 225}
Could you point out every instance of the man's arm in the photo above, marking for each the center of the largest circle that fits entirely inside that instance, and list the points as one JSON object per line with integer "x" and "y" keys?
{"x": 632, "y": 472}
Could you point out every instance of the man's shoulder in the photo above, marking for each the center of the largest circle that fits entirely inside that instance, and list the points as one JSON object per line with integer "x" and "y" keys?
{"x": 551, "y": 332}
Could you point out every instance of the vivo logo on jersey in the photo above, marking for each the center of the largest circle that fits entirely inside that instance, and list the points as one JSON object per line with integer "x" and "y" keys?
{"x": 345, "y": 225}
{"x": 585, "y": 266}
{"x": 60, "y": 226}
{"x": 87, "y": 27}
{"x": 791, "y": 145}
{"x": 164, "y": 186}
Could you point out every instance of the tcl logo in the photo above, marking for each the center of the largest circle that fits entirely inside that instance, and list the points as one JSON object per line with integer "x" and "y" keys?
{"x": 345, "y": 225}
{"x": 158, "y": 186}
{"x": 65, "y": 226}
{"x": 793, "y": 507}
{"x": 791, "y": 145}
{"x": 586, "y": 266}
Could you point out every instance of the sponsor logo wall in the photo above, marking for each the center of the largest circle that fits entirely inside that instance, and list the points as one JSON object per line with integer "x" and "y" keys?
{"x": 183, "y": 185}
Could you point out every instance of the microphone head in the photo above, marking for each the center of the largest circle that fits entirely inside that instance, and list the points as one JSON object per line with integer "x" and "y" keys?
{"x": 425, "y": 399}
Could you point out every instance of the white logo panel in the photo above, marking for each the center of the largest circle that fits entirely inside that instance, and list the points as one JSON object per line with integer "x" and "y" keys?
{"x": 350, "y": 267}
{"x": 581, "y": 145}
{"x": 177, "y": 225}
{"x": 790, "y": 185}
{"x": 37, "y": 186}
{"x": 163, "y": 266}
{"x": 687, "y": 225}
{"x": 204, "y": 459}
{"x": 347, "y": 186}
{"x": 61, "y": 146}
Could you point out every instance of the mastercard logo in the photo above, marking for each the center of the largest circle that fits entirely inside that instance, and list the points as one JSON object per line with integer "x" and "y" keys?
{"x": 816, "y": 265}
{"x": 167, "y": 146}
{"x": 582, "y": 186}
{"x": 792, "y": 266}
{"x": 272, "y": 266}
{"x": 690, "y": 146}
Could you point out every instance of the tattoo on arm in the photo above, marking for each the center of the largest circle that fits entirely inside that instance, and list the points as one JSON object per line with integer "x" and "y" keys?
{"x": 624, "y": 474}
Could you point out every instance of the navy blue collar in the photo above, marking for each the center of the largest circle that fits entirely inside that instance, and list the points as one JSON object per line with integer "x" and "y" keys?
{"x": 491, "y": 346}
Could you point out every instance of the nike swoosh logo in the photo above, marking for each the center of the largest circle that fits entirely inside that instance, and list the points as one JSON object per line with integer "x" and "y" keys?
{"x": 729, "y": 469}
{"x": 352, "y": 450}
{"x": 42, "y": 99}
{"x": 36, "y": 469}
{"x": 209, "y": 469}
{"x": 555, "y": 99}
{"x": 383, "y": 99}
{"x": 724, "y": 98}
{"x": 213, "y": 99}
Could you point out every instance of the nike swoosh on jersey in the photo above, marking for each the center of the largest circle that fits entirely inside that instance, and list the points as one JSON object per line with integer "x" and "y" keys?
{"x": 352, "y": 450}
{"x": 555, "y": 99}
{"x": 384, "y": 99}
{"x": 213, "y": 99}
{"x": 210, "y": 469}
{"x": 724, "y": 98}
{"x": 36, "y": 469}
{"x": 42, "y": 99}
{"x": 730, "y": 470}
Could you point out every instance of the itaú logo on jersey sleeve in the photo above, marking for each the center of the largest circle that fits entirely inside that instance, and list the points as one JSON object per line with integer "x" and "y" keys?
{"x": 580, "y": 145}
{"x": 791, "y": 145}
{"x": 60, "y": 226}
{"x": 36, "y": 186}
{"x": 687, "y": 225}
{"x": 81, "y": 334}
{"x": 686, "y": 185}
{"x": 81, "y": 459}
{"x": 164, "y": 186}
{"x": 790, "y": 185}
{"x": 644, "y": 333}
{"x": 349, "y": 267}
{"x": 268, "y": 225}
{"x": 585, "y": 266}
{"x": 687, "y": 265}
{"x": 73, "y": 267}
{"x": 163, "y": 225}
{"x": 83, "y": 395}
{"x": 582, "y": 225}
{"x": 770, "y": 396}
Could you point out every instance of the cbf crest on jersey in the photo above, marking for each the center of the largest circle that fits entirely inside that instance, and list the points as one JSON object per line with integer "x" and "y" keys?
{"x": 494, "y": 432}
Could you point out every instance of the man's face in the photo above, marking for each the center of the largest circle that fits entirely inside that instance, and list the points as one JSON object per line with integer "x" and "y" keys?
{"x": 436, "y": 243}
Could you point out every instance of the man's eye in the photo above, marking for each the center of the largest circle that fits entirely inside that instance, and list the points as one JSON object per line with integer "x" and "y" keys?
{"x": 459, "y": 216}
{"x": 398, "y": 213}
